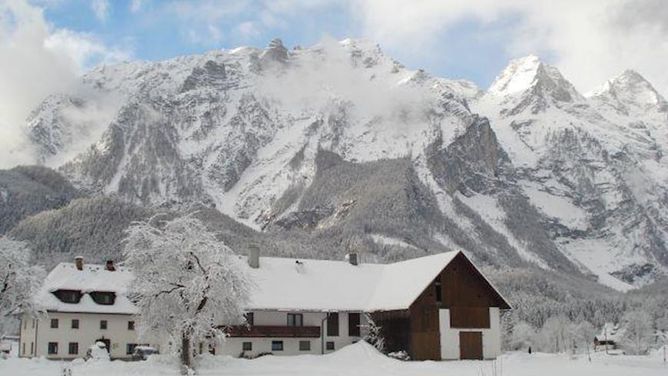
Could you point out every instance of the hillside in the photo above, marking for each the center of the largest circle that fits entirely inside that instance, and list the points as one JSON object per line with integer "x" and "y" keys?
{"x": 27, "y": 190}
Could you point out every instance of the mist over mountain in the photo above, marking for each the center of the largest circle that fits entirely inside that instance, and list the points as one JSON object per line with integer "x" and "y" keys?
{"x": 338, "y": 148}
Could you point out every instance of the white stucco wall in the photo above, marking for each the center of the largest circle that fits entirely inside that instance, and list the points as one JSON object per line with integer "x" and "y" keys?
{"x": 27, "y": 336}
{"x": 491, "y": 337}
{"x": 233, "y": 345}
{"x": 89, "y": 331}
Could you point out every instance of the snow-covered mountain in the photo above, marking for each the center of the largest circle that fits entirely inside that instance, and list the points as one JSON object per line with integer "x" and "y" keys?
{"x": 339, "y": 141}
{"x": 593, "y": 165}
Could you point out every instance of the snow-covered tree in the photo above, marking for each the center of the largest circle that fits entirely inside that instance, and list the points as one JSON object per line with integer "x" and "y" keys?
{"x": 188, "y": 284}
{"x": 374, "y": 335}
{"x": 521, "y": 336}
{"x": 19, "y": 280}
{"x": 555, "y": 335}
{"x": 662, "y": 330}
{"x": 638, "y": 332}
{"x": 583, "y": 336}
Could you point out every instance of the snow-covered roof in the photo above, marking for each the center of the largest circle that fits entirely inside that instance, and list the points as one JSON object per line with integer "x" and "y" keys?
{"x": 324, "y": 285}
{"x": 611, "y": 332}
{"x": 65, "y": 276}
{"x": 284, "y": 284}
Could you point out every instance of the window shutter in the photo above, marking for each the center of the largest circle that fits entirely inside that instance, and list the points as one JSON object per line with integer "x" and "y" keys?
{"x": 333, "y": 324}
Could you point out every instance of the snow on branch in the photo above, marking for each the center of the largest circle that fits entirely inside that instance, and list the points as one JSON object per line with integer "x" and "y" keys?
{"x": 19, "y": 280}
{"x": 188, "y": 285}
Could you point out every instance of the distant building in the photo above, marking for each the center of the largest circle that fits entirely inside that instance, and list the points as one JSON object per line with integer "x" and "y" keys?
{"x": 609, "y": 337}
{"x": 434, "y": 307}
{"x": 84, "y": 304}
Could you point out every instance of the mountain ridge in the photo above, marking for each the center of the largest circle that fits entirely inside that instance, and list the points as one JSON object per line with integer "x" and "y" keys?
{"x": 552, "y": 177}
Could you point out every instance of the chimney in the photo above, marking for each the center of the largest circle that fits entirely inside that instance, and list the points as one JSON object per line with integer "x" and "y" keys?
{"x": 110, "y": 266}
{"x": 353, "y": 258}
{"x": 78, "y": 261}
{"x": 253, "y": 256}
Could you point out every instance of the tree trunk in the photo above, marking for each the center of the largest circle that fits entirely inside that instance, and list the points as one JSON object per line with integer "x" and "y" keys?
{"x": 186, "y": 353}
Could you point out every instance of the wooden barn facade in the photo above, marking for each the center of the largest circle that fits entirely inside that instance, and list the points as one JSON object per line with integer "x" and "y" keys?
{"x": 457, "y": 316}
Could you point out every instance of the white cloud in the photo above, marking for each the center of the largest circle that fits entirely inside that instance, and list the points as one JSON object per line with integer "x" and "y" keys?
{"x": 84, "y": 49}
{"x": 203, "y": 18}
{"x": 590, "y": 41}
{"x": 36, "y": 61}
{"x": 136, "y": 5}
{"x": 306, "y": 88}
{"x": 248, "y": 29}
{"x": 101, "y": 9}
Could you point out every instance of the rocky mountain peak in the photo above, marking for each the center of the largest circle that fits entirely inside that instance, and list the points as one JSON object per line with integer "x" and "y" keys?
{"x": 275, "y": 51}
{"x": 517, "y": 77}
{"x": 530, "y": 74}
{"x": 529, "y": 83}
{"x": 630, "y": 90}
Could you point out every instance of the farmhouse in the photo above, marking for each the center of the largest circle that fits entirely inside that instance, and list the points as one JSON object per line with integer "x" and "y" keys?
{"x": 84, "y": 304}
{"x": 609, "y": 337}
{"x": 433, "y": 307}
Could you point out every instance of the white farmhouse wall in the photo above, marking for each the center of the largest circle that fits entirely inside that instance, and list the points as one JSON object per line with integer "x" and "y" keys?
{"x": 27, "y": 336}
{"x": 89, "y": 331}
{"x": 491, "y": 337}
{"x": 233, "y": 346}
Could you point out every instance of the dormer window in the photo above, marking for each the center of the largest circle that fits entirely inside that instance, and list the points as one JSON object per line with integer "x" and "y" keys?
{"x": 68, "y": 296}
{"x": 103, "y": 297}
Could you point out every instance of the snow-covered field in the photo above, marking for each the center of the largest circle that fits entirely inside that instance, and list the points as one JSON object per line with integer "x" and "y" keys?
{"x": 357, "y": 360}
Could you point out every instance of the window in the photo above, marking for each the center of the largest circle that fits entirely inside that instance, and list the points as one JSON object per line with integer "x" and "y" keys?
{"x": 438, "y": 290}
{"x": 276, "y": 345}
{"x": 130, "y": 348}
{"x": 32, "y": 348}
{"x": 295, "y": 319}
{"x": 103, "y": 297}
{"x": 73, "y": 348}
{"x": 354, "y": 324}
{"x": 68, "y": 296}
{"x": 248, "y": 346}
{"x": 304, "y": 345}
{"x": 75, "y": 324}
{"x": 25, "y": 324}
{"x": 53, "y": 348}
{"x": 23, "y": 352}
{"x": 250, "y": 318}
{"x": 103, "y": 324}
{"x": 33, "y": 323}
{"x": 330, "y": 345}
{"x": 131, "y": 325}
{"x": 54, "y": 323}
{"x": 333, "y": 324}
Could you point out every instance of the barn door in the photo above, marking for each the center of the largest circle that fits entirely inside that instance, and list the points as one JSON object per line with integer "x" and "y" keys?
{"x": 470, "y": 345}
{"x": 426, "y": 341}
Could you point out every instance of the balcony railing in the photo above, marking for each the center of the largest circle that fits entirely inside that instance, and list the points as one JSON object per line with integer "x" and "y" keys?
{"x": 274, "y": 331}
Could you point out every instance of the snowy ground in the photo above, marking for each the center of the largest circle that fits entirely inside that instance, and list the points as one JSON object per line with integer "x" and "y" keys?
{"x": 357, "y": 360}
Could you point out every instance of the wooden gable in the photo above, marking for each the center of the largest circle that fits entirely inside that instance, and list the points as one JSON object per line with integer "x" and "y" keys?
{"x": 462, "y": 285}
{"x": 462, "y": 289}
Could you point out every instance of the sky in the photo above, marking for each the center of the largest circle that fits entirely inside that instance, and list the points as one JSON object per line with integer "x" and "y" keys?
{"x": 45, "y": 45}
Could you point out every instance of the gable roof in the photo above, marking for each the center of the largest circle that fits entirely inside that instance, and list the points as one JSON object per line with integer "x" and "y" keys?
{"x": 611, "y": 332}
{"x": 65, "y": 276}
{"x": 322, "y": 285}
